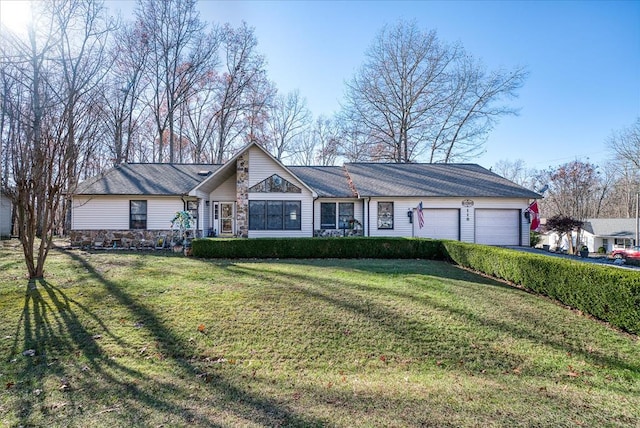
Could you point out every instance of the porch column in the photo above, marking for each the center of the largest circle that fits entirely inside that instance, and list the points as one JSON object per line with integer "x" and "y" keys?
{"x": 242, "y": 195}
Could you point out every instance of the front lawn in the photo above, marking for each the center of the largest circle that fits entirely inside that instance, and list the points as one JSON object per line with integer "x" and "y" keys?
{"x": 114, "y": 339}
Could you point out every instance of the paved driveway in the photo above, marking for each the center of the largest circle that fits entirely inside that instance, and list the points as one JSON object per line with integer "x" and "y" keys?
{"x": 591, "y": 259}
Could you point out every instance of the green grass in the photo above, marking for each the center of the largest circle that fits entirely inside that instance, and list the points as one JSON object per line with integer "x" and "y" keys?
{"x": 153, "y": 339}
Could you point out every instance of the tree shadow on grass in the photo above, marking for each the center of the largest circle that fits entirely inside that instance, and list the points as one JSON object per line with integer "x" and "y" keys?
{"x": 341, "y": 294}
{"x": 60, "y": 359}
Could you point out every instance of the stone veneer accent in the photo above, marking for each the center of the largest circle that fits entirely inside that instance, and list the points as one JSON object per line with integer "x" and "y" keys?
{"x": 242, "y": 195}
{"x": 129, "y": 239}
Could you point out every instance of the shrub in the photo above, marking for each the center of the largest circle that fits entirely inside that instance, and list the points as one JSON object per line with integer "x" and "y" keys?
{"x": 534, "y": 238}
{"x": 608, "y": 293}
{"x": 353, "y": 247}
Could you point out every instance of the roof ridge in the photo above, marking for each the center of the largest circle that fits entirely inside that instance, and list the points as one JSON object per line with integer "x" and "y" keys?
{"x": 350, "y": 182}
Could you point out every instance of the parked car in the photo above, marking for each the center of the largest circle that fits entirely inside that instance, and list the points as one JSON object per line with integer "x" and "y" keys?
{"x": 626, "y": 253}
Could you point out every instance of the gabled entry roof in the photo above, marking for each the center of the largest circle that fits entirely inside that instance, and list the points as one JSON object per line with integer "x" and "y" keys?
{"x": 229, "y": 168}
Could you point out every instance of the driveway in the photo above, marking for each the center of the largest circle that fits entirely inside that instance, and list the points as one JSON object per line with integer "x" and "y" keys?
{"x": 603, "y": 260}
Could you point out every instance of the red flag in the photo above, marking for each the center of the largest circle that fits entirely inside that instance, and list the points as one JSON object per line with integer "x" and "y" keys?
{"x": 534, "y": 216}
{"x": 420, "y": 215}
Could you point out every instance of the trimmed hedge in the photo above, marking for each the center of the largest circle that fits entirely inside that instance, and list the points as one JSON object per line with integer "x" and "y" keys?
{"x": 605, "y": 292}
{"x": 608, "y": 293}
{"x": 310, "y": 248}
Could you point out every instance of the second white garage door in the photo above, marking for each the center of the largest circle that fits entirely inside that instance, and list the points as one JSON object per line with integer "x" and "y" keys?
{"x": 497, "y": 227}
{"x": 439, "y": 224}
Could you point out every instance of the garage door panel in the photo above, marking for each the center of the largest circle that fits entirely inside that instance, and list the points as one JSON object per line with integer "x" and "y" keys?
{"x": 440, "y": 224}
{"x": 497, "y": 227}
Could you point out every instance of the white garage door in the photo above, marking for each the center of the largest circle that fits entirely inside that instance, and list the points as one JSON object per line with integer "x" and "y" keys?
{"x": 439, "y": 224}
{"x": 498, "y": 227}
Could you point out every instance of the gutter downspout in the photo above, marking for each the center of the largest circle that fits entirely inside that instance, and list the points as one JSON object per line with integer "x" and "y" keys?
{"x": 368, "y": 215}
{"x": 313, "y": 216}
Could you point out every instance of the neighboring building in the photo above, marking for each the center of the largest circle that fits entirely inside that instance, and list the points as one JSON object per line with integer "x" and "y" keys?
{"x": 253, "y": 195}
{"x": 5, "y": 216}
{"x": 610, "y": 233}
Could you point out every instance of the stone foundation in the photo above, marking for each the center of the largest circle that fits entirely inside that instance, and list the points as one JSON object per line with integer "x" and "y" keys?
{"x": 337, "y": 233}
{"x": 127, "y": 239}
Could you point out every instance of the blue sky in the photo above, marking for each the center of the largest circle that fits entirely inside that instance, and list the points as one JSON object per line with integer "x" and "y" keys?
{"x": 583, "y": 58}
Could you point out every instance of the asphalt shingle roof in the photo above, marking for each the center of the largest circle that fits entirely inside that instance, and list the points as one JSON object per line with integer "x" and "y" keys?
{"x": 611, "y": 227}
{"x": 367, "y": 179}
{"x": 435, "y": 180}
{"x": 146, "y": 179}
{"x": 327, "y": 181}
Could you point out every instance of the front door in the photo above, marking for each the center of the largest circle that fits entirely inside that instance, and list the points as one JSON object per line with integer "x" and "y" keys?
{"x": 226, "y": 218}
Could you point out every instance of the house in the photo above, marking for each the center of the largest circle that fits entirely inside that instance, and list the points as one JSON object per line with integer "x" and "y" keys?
{"x": 606, "y": 233}
{"x": 254, "y": 195}
{"x": 5, "y": 216}
{"x": 609, "y": 233}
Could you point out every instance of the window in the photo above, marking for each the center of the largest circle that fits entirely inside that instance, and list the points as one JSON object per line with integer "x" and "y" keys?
{"x": 623, "y": 242}
{"x": 345, "y": 218}
{"x": 137, "y": 214}
{"x": 385, "y": 215}
{"x": 257, "y": 215}
{"x": 327, "y": 215}
{"x": 345, "y": 215}
{"x": 274, "y": 215}
{"x": 192, "y": 207}
{"x": 292, "y": 215}
{"x": 275, "y": 184}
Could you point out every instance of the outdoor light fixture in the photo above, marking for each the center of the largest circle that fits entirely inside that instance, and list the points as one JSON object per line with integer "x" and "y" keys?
{"x": 410, "y": 215}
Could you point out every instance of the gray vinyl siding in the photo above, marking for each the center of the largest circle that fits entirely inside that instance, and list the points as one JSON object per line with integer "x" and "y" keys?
{"x": 112, "y": 212}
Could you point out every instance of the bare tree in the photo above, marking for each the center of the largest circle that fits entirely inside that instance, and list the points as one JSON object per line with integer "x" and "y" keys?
{"x": 123, "y": 90}
{"x": 355, "y": 143}
{"x": 417, "y": 96}
{"x": 305, "y": 149}
{"x": 288, "y": 117}
{"x": 576, "y": 190}
{"x": 180, "y": 52}
{"x": 624, "y": 178}
{"x": 626, "y": 165}
{"x": 51, "y": 79}
{"x": 472, "y": 109}
{"x": 515, "y": 171}
{"x": 327, "y": 136}
{"x": 626, "y": 144}
{"x": 201, "y": 118}
{"x": 237, "y": 88}
{"x": 256, "y": 116}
